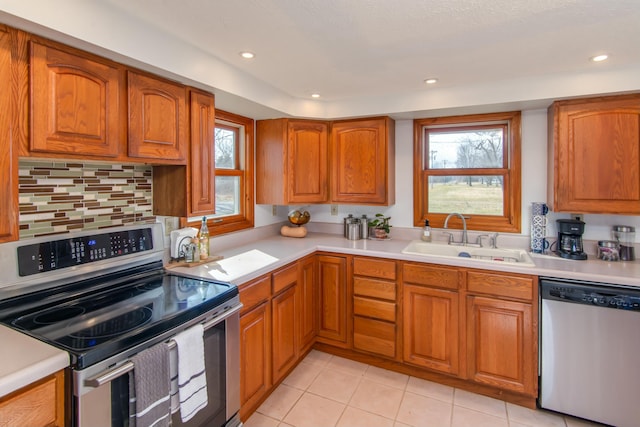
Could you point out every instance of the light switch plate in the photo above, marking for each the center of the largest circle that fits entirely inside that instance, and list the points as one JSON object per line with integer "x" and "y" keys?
{"x": 334, "y": 209}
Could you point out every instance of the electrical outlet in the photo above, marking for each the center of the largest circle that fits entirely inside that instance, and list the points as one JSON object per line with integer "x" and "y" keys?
{"x": 334, "y": 210}
{"x": 577, "y": 217}
{"x": 274, "y": 210}
{"x": 170, "y": 224}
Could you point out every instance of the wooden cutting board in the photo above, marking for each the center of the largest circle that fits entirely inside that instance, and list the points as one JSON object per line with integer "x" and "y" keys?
{"x": 193, "y": 264}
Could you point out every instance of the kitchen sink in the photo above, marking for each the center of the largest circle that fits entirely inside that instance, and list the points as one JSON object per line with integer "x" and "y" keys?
{"x": 517, "y": 256}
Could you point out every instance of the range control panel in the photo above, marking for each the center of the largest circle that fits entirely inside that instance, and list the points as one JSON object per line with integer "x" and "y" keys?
{"x": 57, "y": 254}
{"x": 625, "y": 299}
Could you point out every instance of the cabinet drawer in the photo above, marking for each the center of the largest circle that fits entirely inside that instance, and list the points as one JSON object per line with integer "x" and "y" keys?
{"x": 374, "y": 336}
{"x": 373, "y": 308}
{"x": 431, "y": 276}
{"x": 374, "y": 288}
{"x": 501, "y": 285}
{"x": 284, "y": 278}
{"x": 254, "y": 293}
{"x": 381, "y": 269}
{"x": 37, "y": 405}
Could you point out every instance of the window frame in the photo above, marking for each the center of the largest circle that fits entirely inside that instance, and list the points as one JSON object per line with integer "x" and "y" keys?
{"x": 245, "y": 219}
{"x": 510, "y": 221}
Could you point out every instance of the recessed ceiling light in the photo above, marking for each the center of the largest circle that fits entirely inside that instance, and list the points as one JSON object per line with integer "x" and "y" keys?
{"x": 247, "y": 55}
{"x": 599, "y": 58}
{"x": 315, "y": 95}
{"x": 430, "y": 81}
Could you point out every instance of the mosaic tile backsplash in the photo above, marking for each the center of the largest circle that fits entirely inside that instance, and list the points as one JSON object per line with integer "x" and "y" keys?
{"x": 61, "y": 196}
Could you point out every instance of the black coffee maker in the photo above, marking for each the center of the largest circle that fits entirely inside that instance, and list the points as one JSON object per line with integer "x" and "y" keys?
{"x": 570, "y": 239}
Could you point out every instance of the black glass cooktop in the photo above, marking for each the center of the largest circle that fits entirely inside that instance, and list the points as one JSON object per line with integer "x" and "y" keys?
{"x": 98, "y": 318}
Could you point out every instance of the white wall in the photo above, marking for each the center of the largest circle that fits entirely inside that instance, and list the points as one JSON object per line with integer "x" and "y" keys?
{"x": 534, "y": 186}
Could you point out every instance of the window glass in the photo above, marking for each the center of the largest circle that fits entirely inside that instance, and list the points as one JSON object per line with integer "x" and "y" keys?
{"x": 227, "y": 195}
{"x": 226, "y": 141}
{"x": 467, "y": 194}
{"x": 466, "y": 150}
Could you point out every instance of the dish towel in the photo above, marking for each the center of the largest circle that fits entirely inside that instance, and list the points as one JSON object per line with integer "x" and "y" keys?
{"x": 151, "y": 387}
{"x": 192, "y": 378}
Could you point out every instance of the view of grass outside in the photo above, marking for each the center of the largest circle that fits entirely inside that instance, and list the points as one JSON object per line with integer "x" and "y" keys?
{"x": 483, "y": 197}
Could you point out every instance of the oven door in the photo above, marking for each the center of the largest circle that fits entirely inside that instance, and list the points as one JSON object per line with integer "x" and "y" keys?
{"x": 105, "y": 403}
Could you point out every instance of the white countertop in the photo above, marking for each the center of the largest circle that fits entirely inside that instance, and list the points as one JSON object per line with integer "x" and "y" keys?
{"x": 24, "y": 360}
{"x": 248, "y": 261}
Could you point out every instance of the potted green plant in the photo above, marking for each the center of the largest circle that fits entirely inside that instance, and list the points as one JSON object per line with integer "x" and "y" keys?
{"x": 381, "y": 227}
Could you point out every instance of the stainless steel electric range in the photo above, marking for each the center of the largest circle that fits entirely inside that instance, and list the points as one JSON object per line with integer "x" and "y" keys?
{"x": 105, "y": 296}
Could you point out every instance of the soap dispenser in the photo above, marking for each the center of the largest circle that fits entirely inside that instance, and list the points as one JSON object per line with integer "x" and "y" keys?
{"x": 426, "y": 231}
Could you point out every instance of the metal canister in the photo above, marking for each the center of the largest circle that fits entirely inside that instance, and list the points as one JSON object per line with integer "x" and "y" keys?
{"x": 364, "y": 227}
{"x": 347, "y": 220}
{"x": 353, "y": 231}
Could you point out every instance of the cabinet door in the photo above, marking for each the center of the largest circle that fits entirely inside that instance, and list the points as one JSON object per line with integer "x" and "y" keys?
{"x": 307, "y": 180}
{"x": 431, "y": 328}
{"x": 157, "y": 119}
{"x": 202, "y": 190}
{"x": 285, "y": 343}
{"x": 255, "y": 357}
{"x": 362, "y": 154}
{"x": 40, "y": 404}
{"x": 597, "y": 156}
{"x": 332, "y": 283}
{"x": 8, "y": 152}
{"x": 500, "y": 344}
{"x": 74, "y": 104}
{"x": 307, "y": 303}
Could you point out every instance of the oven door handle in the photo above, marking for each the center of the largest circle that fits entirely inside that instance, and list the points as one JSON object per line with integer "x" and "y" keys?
{"x": 110, "y": 375}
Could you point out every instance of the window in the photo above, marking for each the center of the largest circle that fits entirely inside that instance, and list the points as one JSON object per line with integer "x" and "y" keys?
{"x": 469, "y": 165}
{"x": 233, "y": 175}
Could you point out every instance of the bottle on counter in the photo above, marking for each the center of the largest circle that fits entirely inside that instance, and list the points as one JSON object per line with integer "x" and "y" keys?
{"x": 204, "y": 239}
{"x": 195, "y": 243}
{"x": 426, "y": 231}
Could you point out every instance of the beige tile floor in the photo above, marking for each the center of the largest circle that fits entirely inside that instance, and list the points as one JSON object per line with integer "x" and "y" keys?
{"x": 325, "y": 390}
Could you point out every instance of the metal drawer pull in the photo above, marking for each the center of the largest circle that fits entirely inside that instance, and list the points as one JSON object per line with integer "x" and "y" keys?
{"x": 126, "y": 367}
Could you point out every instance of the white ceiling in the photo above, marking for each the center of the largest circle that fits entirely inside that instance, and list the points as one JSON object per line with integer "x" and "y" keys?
{"x": 372, "y": 56}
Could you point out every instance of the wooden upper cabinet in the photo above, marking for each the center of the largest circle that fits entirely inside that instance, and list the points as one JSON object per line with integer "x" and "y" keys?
{"x": 363, "y": 161}
{"x": 74, "y": 103}
{"x": 292, "y": 162}
{"x": 594, "y": 163}
{"x": 157, "y": 119}
{"x": 202, "y": 163}
{"x": 8, "y": 150}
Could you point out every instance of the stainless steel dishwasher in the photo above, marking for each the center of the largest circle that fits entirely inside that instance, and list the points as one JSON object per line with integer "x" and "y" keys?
{"x": 590, "y": 351}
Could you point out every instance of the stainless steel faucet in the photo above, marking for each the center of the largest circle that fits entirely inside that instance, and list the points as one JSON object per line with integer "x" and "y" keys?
{"x": 464, "y": 225}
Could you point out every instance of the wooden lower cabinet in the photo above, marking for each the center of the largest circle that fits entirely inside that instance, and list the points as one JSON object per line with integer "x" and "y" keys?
{"x": 255, "y": 357}
{"x": 468, "y": 328}
{"x": 333, "y": 289}
{"x": 500, "y": 344}
{"x": 307, "y": 303}
{"x": 284, "y": 324}
{"x": 375, "y": 308}
{"x": 431, "y": 328}
{"x": 38, "y": 405}
{"x": 278, "y": 325}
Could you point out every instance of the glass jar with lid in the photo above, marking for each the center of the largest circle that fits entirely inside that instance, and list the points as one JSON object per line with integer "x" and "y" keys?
{"x": 625, "y": 236}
